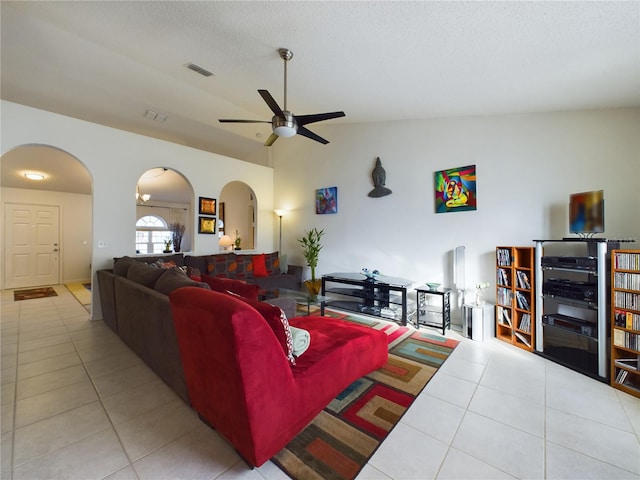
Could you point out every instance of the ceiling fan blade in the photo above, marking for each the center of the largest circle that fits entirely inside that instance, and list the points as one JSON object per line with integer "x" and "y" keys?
{"x": 318, "y": 117}
{"x": 228, "y": 120}
{"x": 309, "y": 134}
{"x": 272, "y": 138}
{"x": 275, "y": 108}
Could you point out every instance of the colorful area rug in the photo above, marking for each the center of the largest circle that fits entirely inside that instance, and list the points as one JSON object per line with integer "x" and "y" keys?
{"x": 31, "y": 293}
{"x": 338, "y": 443}
{"x": 82, "y": 292}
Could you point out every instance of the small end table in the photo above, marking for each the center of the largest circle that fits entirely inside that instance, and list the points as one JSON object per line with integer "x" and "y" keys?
{"x": 443, "y": 310}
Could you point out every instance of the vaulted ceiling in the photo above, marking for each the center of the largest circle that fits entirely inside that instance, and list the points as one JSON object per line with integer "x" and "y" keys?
{"x": 114, "y": 62}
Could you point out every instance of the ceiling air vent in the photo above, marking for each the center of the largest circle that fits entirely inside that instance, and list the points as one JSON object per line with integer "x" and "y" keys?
{"x": 198, "y": 69}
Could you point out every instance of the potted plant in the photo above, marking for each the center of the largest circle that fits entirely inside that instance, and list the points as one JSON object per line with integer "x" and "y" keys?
{"x": 311, "y": 247}
{"x": 237, "y": 241}
{"x": 177, "y": 231}
{"x": 167, "y": 245}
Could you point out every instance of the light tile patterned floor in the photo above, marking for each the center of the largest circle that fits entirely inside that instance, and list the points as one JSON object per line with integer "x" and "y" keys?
{"x": 78, "y": 404}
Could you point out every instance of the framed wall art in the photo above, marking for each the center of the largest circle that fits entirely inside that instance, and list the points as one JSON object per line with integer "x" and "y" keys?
{"x": 207, "y": 225}
{"x": 207, "y": 206}
{"x": 327, "y": 200}
{"x": 455, "y": 189}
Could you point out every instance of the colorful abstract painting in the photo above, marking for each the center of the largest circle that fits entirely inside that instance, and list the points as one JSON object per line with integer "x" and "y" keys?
{"x": 456, "y": 189}
{"x": 327, "y": 200}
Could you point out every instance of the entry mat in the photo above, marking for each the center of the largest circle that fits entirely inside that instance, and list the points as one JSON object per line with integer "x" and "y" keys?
{"x": 31, "y": 293}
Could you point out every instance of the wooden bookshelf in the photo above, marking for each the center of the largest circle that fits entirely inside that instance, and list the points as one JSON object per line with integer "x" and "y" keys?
{"x": 625, "y": 321}
{"x": 515, "y": 316}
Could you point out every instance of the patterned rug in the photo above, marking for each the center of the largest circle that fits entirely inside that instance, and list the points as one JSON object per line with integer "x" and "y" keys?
{"x": 342, "y": 438}
{"x": 81, "y": 291}
{"x": 31, "y": 293}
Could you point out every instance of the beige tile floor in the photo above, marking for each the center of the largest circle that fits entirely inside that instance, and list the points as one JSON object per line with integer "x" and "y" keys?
{"x": 78, "y": 404}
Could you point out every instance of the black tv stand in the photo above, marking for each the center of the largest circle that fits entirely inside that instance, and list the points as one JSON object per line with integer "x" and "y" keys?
{"x": 584, "y": 239}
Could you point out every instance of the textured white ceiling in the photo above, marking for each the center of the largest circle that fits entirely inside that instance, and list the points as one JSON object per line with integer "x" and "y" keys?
{"x": 108, "y": 62}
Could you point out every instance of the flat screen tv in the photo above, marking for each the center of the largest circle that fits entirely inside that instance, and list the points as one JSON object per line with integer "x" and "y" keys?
{"x": 586, "y": 212}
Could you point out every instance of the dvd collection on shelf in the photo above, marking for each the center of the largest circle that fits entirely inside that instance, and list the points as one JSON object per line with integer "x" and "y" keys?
{"x": 525, "y": 323}
{"x": 523, "y": 303}
{"x": 626, "y": 339}
{"x": 628, "y": 320}
{"x": 523, "y": 280}
{"x": 629, "y": 281}
{"x": 503, "y": 278}
{"x": 625, "y": 321}
{"x": 505, "y": 296}
{"x": 514, "y": 296}
{"x": 503, "y": 257}
{"x": 626, "y": 261}
{"x": 503, "y": 315}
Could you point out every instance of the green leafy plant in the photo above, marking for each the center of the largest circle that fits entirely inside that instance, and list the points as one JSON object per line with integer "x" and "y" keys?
{"x": 311, "y": 247}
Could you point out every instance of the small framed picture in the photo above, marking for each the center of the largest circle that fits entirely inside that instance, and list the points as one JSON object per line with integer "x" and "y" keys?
{"x": 207, "y": 206}
{"x": 455, "y": 189}
{"x": 327, "y": 200}
{"x": 207, "y": 225}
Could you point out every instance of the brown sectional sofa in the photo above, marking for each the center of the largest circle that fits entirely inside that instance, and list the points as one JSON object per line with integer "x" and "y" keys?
{"x": 135, "y": 304}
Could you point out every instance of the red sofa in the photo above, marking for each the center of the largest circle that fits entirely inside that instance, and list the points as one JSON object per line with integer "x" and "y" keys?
{"x": 239, "y": 378}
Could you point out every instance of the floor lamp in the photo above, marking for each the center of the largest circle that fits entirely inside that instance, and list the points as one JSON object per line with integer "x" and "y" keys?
{"x": 280, "y": 214}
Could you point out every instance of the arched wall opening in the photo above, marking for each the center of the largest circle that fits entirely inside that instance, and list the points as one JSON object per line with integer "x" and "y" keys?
{"x": 238, "y": 206}
{"x": 59, "y": 207}
{"x": 166, "y": 194}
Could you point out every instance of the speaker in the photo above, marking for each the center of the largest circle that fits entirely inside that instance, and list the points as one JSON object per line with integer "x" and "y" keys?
{"x": 458, "y": 269}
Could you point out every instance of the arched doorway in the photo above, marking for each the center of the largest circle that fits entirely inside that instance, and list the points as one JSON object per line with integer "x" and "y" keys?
{"x": 47, "y": 219}
{"x": 238, "y": 201}
{"x": 164, "y": 203}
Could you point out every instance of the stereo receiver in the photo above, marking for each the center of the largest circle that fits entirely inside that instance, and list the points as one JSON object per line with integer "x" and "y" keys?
{"x": 573, "y": 263}
{"x": 561, "y": 287}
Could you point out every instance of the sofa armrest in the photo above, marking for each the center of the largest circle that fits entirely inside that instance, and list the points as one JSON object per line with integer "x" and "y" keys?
{"x": 146, "y": 326}
{"x": 108, "y": 298}
{"x": 296, "y": 271}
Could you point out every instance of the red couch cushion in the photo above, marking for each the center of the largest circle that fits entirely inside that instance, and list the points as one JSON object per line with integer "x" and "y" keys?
{"x": 238, "y": 287}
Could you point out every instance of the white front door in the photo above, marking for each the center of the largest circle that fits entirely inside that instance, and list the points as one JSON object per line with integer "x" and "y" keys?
{"x": 32, "y": 244}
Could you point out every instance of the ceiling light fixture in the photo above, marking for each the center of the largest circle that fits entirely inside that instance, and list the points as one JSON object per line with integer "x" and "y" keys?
{"x": 34, "y": 176}
{"x": 141, "y": 198}
{"x": 284, "y": 126}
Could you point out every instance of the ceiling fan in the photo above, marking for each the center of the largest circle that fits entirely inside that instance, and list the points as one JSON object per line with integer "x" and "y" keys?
{"x": 284, "y": 123}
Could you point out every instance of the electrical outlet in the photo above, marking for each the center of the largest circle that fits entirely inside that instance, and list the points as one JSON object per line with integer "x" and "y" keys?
{"x": 103, "y": 244}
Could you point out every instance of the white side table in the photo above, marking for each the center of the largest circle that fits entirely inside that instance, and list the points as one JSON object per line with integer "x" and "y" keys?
{"x": 478, "y": 322}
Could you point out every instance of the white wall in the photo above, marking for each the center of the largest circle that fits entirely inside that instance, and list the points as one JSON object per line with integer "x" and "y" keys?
{"x": 75, "y": 228}
{"x": 116, "y": 159}
{"x": 527, "y": 165}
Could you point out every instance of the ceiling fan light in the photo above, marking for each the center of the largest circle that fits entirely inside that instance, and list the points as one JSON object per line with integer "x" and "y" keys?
{"x": 284, "y": 126}
{"x": 284, "y": 131}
